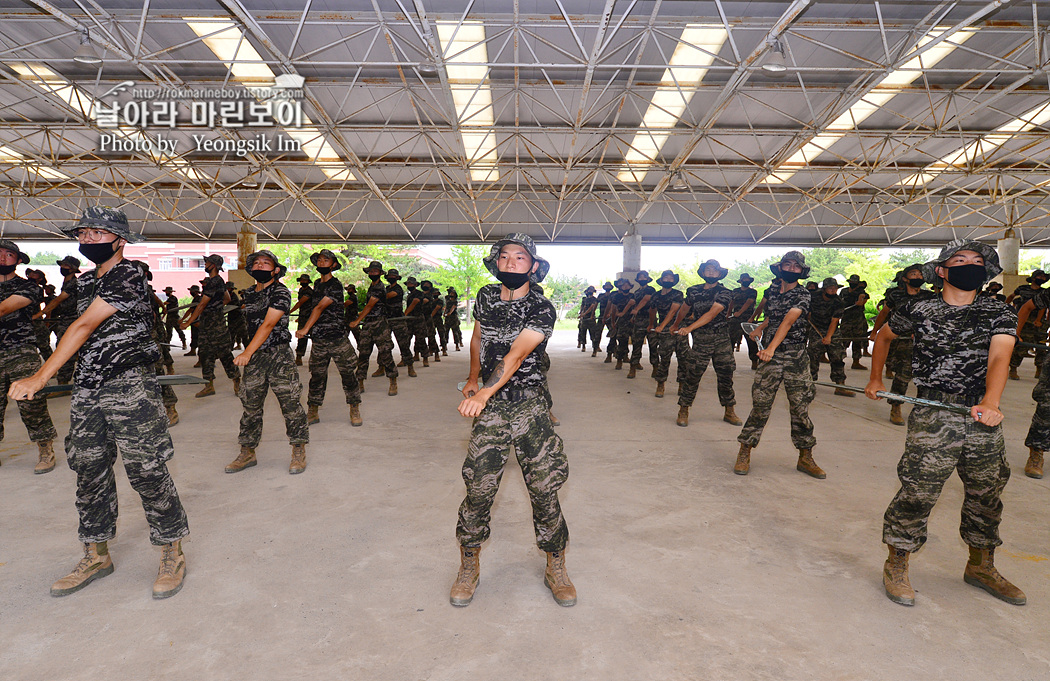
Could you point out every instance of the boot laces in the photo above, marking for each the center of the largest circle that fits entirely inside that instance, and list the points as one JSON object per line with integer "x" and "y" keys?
{"x": 168, "y": 561}
{"x": 299, "y": 454}
{"x": 557, "y": 569}
{"x": 468, "y": 569}
{"x": 87, "y": 561}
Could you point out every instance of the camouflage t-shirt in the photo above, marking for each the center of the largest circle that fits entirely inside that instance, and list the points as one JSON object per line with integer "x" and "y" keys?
{"x": 394, "y": 305}
{"x": 588, "y": 302}
{"x": 16, "y": 329}
{"x": 951, "y": 342}
{"x": 427, "y": 303}
{"x": 414, "y": 294}
{"x": 257, "y": 303}
{"x": 329, "y": 326}
{"x": 377, "y": 290}
{"x": 439, "y": 306}
{"x": 619, "y": 299}
{"x": 501, "y": 321}
{"x": 304, "y": 311}
{"x": 777, "y": 307}
{"x": 895, "y": 297}
{"x": 67, "y": 309}
{"x": 700, "y": 301}
{"x": 1022, "y": 294}
{"x": 451, "y": 305}
{"x": 1041, "y": 299}
{"x": 215, "y": 289}
{"x": 603, "y": 302}
{"x": 744, "y": 299}
{"x": 123, "y": 339}
{"x": 639, "y": 310}
{"x": 663, "y": 301}
{"x": 170, "y": 303}
{"x": 822, "y": 310}
{"x": 852, "y": 312}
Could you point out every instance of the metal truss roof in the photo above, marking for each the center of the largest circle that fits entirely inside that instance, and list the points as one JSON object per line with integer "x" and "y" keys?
{"x": 570, "y": 84}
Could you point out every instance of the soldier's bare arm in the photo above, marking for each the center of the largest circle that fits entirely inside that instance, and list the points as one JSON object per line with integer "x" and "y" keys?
{"x": 475, "y": 361}
{"x": 999, "y": 351}
{"x": 526, "y": 342}
{"x": 878, "y": 361}
{"x": 314, "y": 316}
{"x": 273, "y": 315}
{"x": 13, "y": 304}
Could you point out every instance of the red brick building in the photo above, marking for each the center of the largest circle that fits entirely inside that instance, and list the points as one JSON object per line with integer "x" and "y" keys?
{"x": 179, "y": 265}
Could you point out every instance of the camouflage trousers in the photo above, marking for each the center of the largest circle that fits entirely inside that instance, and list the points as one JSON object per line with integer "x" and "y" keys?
{"x": 639, "y": 332}
{"x": 404, "y": 339}
{"x": 836, "y": 356}
{"x": 790, "y": 366}
{"x": 439, "y": 332}
{"x": 662, "y": 345}
{"x": 431, "y": 336}
{"x": 42, "y": 331}
{"x": 716, "y": 349}
{"x": 22, "y": 362}
{"x": 171, "y": 326}
{"x": 622, "y": 338}
{"x": 123, "y": 416}
{"x": 238, "y": 328}
{"x": 1030, "y": 333}
{"x": 855, "y": 328}
{"x": 452, "y": 325}
{"x": 345, "y": 358}
{"x": 593, "y": 329}
{"x": 736, "y": 335}
{"x": 272, "y": 369}
{"x": 1039, "y": 432}
{"x": 899, "y": 362}
{"x": 417, "y": 326}
{"x": 526, "y": 425}
{"x": 167, "y": 394}
{"x": 65, "y": 372}
{"x": 939, "y": 442}
{"x": 375, "y": 334}
{"x": 215, "y": 344}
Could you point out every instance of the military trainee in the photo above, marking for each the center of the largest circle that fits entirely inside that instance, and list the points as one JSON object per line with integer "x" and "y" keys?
{"x": 962, "y": 346}
{"x": 439, "y": 320}
{"x": 395, "y": 302}
{"x": 603, "y": 305}
{"x": 619, "y": 327}
{"x": 854, "y": 324}
{"x": 825, "y": 333}
{"x": 1038, "y": 439}
{"x": 195, "y": 298}
{"x": 663, "y": 341}
{"x": 375, "y": 331}
{"x": 1034, "y": 329}
{"x": 215, "y": 342}
{"x": 331, "y": 344}
{"x": 304, "y": 305}
{"x": 417, "y": 323}
{"x": 63, "y": 310}
{"x": 588, "y": 324}
{"x": 784, "y": 360}
{"x": 41, "y": 330}
{"x": 171, "y": 317}
{"x": 504, "y": 393}
{"x": 452, "y": 318}
{"x": 235, "y": 319}
{"x": 744, "y": 298}
{"x": 269, "y": 365}
{"x": 116, "y": 406}
{"x": 19, "y": 299}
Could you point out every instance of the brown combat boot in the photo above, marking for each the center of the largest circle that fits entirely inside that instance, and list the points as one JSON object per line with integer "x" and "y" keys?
{"x": 191, "y": 353}
{"x": 95, "y": 564}
{"x": 660, "y": 389}
{"x": 237, "y": 386}
{"x": 467, "y": 579}
{"x": 731, "y": 417}
{"x": 594, "y": 353}
{"x": 683, "y": 416}
{"x": 554, "y": 419}
{"x": 402, "y": 363}
{"x": 980, "y": 572}
{"x": 633, "y": 372}
{"x": 842, "y": 392}
{"x": 1013, "y": 374}
{"x": 1034, "y": 467}
{"x": 437, "y": 356}
{"x": 172, "y": 572}
{"x": 608, "y": 359}
{"x": 619, "y": 364}
{"x": 556, "y": 578}
{"x": 895, "y": 415}
{"x": 312, "y": 416}
{"x": 444, "y": 352}
{"x": 412, "y": 371}
{"x": 393, "y": 387}
{"x": 743, "y": 461}
{"x": 47, "y": 458}
{"x": 361, "y": 384}
{"x": 895, "y": 578}
{"x": 169, "y": 369}
{"x": 425, "y": 362}
{"x": 583, "y": 348}
{"x": 378, "y": 372}
{"x": 857, "y": 365}
{"x": 173, "y": 416}
{"x": 246, "y": 459}
{"x": 298, "y": 464}
{"x": 355, "y": 415}
{"x": 807, "y": 465}
{"x": 207, "y": 390}
{"x": 298, "y": 360}
{"x": 197, "y": 365}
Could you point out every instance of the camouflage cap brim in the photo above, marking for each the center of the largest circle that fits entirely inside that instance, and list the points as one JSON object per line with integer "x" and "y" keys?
{"x": 989, "y": 254}
{"x": 526, "y": 242}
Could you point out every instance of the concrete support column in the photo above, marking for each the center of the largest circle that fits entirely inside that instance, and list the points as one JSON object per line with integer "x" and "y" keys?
{"x": 1009, "y": 248}
{"x": 632, "y": 255}
{"x": 247, "y": 243}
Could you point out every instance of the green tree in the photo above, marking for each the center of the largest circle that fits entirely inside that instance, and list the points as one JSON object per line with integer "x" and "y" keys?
{"x": 901, "y": 259}
{"x": 465, "y": 269}
{"x": 565, "y": 292}
{"x": 44, "y": 258}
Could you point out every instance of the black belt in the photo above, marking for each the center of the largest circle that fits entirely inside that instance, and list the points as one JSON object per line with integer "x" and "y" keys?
{"x": 516, "y": 395}
{"x": 950, "y": 398}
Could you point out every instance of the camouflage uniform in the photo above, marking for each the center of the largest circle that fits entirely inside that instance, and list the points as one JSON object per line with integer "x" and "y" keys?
{"x": 1039, "y": 432}
{"x": 168, "y": 396}
{"x": 64, "y": 315}
{"x": 116, "y": 407}
{"x": 620, "y": 329}
{"x": 350, "y": 312}
{"x": 950, "y": 364}
{"x": 215, "y": 342}
{"x": 710, "y": 344}
{"x": 588, "y": 324}
{"x": 899, "y": 359}
{"x": 821, "y": 311}
{"x": 639, "y": 322}
{"x": 452, "y": 319}
{"x": 743, "y": 297}
{"x": 790, "y": 366}
{"x": 439, "y": 320}
{"x": 303, "y": 312}
{"x": 1032, "y": 332}
{"x": 517, "y": 415}
{"x": 428, "y": 313}
{"x": 272, "y": 367}
{"x": 600, "y": 322}
{"x": 375, "y": 331}
{"x": 664, "y": 343}
{"x": 331, "y": 344}
{"x": 19, "y": 359}
{"x": 171, "y": 320}
{"x": 854, "y": 324}
{"x": 417, "y": 324}
{"x": 235, "y": 321}
{"x": 399, "y": 327}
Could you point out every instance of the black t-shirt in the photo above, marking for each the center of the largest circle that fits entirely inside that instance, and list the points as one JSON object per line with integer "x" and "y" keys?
{"x": 122, "y": 340}
{"x": 700, "y": 301}
{"x": 16, "y": 329}
{"x": 501, "y": 321}
{"x": 377, "y": 290}
{"x": 257, "y": 303}
{"x": 951, "y": 342}
{"x": 637, "y": 296}
{"x": 777, "y": 307}
{"x": 329, "y": 326}
{"x": 170, "y": 303}
{"x": 663, "y": 301}
{"x": 67, "y": 309}
{"x": 394, "y": 305}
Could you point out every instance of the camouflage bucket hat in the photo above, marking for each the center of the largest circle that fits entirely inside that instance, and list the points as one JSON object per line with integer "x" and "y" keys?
{"x": 853, "y": 279}
{"x": 608, "y": 286}
{"x": 195, "y": 289}
{"x": 669, "y": 275}
{"x": 215, "y": 259}
{"x": 1038, "y": 274}
{"x": 621, "y": 280}
{"x": 169, "y": 289}
{"x": 314, "y": 257}
{"x": 722, "y": 272}
{"x": 525, "y": 241}
{"x": 279, "y": 269}
{"x": 830, "y": 282}
{"x": 795, "y": 256}
{"x": 410, "y": 281}
{"x": 589, "y": 289}
{"x": 643, "y": 277}
{"x": 374, "y": 265}
{"x": 991, "y": 259}
{"x": 745, "y": 278}
{"x": 392, "y": 273}
{"x": 8, "y": 245}
{"x": 303, "y": 279}
{"x": 70, "y": 262}
{"x": 110, "y": 219}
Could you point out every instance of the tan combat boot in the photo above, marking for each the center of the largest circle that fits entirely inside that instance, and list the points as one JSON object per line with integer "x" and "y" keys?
{"x": 437, "y": 356}
{"x": 378, "y": 372}
{"x": 1034, "y": 467}
{"x": 660, "y": 389}
{"x": 1013, "y": 374}
{"x": 633, "y": 372}
{"x": 393, "y": 387}
{"x": 47, "y": 458}
{"x": 312, "y": 416}
{"x": 842, "y": 392}
{"x": 207, "y": 390}
{"x": 554, "y": 419}
{"x": 895, "y": 415}
{"x": 401, "y": 363}
{"x": 619, "y": 364}
{"x": 298, "y": 464}
{"x": 444, "y": 352}
{"x": 683, "y": 416}
{"x": 95, "y": 564}
{"x": 857, "y": 365}
{"x": 556, "y": 578}
{"x": 467, "y": 580}
{"x": 980, "y": 572}
{"x": 172, "y": 572}
{"x": 412, "y": 371}
{"x": 743, "y": 461}
{"x": 246, "y": 459}
{"x": 355, "y": 415}
{"x": 731, "y": 417}
{"x": 173, "y": 416}
{"x": 169, "y": 369}
{"x": 807, "y": 465}
{"x": 895, "y": 578}
{"x": 237, "y": 386}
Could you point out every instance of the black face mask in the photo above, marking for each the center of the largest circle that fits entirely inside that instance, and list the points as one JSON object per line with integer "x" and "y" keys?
{"x": 392, "y": 280}
{"x": 512, "y": 280}
{"x": 65, "y": 271}
{"x": 374, "y": 277}
{"x": 966, "y": 277}
{"x": 667, "y": 284}
{"x": 261, "y": 276}
{"x": 411, "y": 287}
{"x": 710, "y": 280}
{"x": 427, "y": 287}
{"x": 643, "y": 282}
{"x": 916, "y": 283}
{"x": 607, "y": 290}
{"x": 9, "y": 269}
{"x": 324, "y": 270}
{"x": 98, "y": 253}
{"x": 625, "y": 288}
{"x": 790, "y": 277}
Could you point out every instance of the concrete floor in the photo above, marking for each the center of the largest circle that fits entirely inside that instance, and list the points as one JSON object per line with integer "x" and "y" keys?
{"x": 684, "y": 570}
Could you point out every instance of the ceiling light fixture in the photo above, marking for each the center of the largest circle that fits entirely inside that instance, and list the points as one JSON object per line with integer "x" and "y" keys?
{"x": 428, "y": 68}
{"x": 775, "y": 64}
{"x": 679, "y": 181}
{"x": 86, "y": 53}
